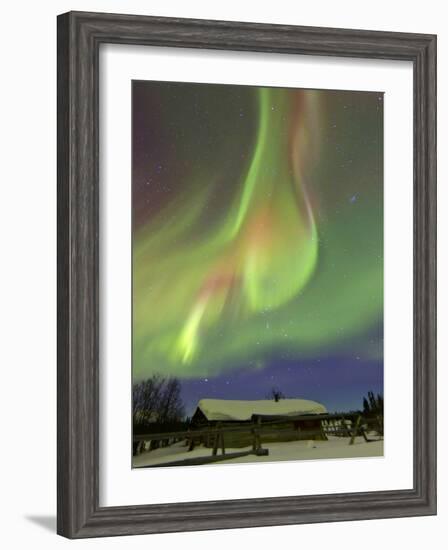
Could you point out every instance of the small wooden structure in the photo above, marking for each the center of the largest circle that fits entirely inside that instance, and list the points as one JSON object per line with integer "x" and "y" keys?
{"x": 291, "y": 417}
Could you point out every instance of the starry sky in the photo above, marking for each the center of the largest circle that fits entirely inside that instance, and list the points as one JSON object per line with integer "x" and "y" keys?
{"x": 258, "y": 241}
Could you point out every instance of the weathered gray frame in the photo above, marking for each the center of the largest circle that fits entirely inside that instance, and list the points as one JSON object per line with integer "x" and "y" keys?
{"x": 79, "y": 37}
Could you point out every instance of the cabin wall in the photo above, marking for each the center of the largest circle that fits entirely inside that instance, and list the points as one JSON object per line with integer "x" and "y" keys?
{"x": 280, "y": 433}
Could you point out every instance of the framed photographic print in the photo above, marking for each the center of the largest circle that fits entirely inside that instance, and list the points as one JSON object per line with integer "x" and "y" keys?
{"x": 246, "y": 274}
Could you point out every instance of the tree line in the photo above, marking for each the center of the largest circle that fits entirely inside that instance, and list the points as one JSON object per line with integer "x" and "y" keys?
{"x": 157, "y": 400}
{"x": 373, "y": 405}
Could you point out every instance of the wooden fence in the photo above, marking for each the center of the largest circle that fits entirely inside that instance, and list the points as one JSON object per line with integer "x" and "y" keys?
{"x": 259, "y": 428}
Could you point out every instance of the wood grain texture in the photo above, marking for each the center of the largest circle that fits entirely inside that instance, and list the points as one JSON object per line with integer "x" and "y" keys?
{"x": 79, "y": 37}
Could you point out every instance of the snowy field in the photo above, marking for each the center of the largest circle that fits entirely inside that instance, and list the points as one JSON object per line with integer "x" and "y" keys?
{"x": 335, "y": 447}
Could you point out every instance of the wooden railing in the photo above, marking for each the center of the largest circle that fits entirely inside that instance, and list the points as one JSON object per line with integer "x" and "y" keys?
{"x": 262, "y": 427}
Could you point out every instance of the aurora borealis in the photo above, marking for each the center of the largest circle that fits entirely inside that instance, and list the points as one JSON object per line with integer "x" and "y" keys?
{"x": 258, "y": 240}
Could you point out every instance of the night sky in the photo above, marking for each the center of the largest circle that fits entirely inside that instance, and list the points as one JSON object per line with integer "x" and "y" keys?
{"x": 258, "y": 241}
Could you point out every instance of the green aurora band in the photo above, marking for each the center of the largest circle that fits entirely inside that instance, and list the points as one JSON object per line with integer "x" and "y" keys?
{"x": 289, "y": 266}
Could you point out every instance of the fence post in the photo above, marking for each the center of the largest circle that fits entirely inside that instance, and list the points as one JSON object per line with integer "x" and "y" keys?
{"x": 355, "y": 431}
{"x": 379, "y": 419}
{"x": 323, "y": 433}
{"x": 257, "y": 435}
{"x": 223, "y": 448}
{"x": 216, "y": 439}
{"x": 345, "y": 429}
{"x": 254, "y": 437}
{"x": 190, "y": 440}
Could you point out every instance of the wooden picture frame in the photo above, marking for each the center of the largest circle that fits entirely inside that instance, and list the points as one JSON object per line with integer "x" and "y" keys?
{"x": 79, "y": 37}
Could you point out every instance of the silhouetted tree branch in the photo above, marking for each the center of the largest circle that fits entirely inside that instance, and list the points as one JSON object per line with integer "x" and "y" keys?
{"x": 157, "y": 399}
{"x": 276, "y": 394}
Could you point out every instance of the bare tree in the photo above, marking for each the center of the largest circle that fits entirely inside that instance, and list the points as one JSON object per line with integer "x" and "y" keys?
{"x": 276, "y": 394}
{"x": 171, "y": 407}
{"x": 146, "y": 399}
{"x": 157, "y": 399}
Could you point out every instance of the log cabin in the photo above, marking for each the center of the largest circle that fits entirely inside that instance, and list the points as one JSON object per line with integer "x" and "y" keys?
{"x": 281, "y": 416}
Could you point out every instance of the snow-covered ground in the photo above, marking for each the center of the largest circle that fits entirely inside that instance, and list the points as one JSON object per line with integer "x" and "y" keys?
{"x": 335, "y": 447}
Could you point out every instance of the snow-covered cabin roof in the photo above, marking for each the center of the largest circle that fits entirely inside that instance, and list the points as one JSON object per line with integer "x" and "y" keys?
{"x": 228, "y": 409}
